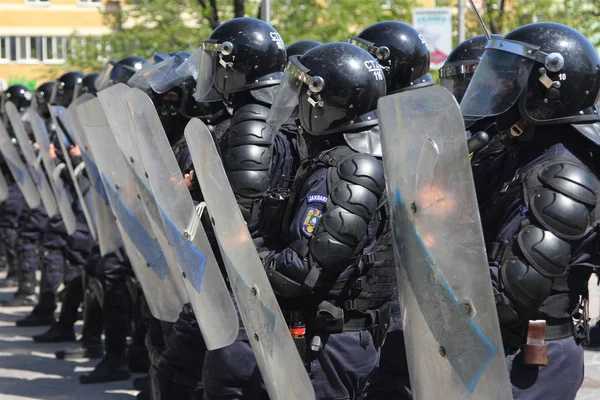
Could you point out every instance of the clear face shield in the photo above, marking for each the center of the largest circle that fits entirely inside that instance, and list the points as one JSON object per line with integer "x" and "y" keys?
{"x": 202, "y": 66}
{"x": 502, "y": 75}
{"x": 287, "y": 96}
{"x": 140, "y": 79}
{"x": 381, "y": 53}
{"x": 457, "y": 77}
{"x": 103, "y": 80}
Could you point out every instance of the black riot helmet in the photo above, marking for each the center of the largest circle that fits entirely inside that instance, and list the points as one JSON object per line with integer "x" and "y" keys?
{"x": 300, "y": 47}
{"x": 335, "y": 87}
{"x": 240, "y": 54}
{"x": 402, "y": 52}
{"x": 119, "y": 71}
{"x": 41, "y": 98}
{"x": 19, "y": 95}
{"x": 457, "y": 71}
{"x": 87, "y": 85}
{"x": 64, "y": 89}
{"x": 549, "y": 72}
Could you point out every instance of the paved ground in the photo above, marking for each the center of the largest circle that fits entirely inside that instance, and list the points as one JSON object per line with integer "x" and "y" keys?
{"x": 29, "y": 370}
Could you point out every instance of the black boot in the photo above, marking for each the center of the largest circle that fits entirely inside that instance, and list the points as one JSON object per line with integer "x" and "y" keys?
{"x": 57, "y": 333}
{"x": 25, "y": 295}
{"x": 36, "y": 319}
{"x": 81, "y": 349}
{"x": 113, "y": 367}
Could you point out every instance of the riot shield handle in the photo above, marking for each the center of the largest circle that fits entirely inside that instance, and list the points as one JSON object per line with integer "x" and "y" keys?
{"x": 79, "y": 169}
{"x": 57, "y": 171}
{"x": 190, "y": 231}
{"x": 38, "y": 160}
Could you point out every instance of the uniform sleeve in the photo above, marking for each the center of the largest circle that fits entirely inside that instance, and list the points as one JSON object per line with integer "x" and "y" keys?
{"x": 292, "y": 261}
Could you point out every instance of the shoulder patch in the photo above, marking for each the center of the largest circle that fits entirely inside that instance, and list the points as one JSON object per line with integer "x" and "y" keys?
{"x": 311, "y": 220}
{"x": 316, "y": 198}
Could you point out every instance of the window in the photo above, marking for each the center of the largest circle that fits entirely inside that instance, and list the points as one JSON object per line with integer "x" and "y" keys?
{"x": 29, "y": 49}
{"x": 4, "y": 49}
{"x": 55, "y": 49}
{"x": 37, "y": 2}
{"x": 89, "y": 2}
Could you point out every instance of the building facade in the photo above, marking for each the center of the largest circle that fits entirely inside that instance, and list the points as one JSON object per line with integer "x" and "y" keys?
{"x": 35, "y": 35}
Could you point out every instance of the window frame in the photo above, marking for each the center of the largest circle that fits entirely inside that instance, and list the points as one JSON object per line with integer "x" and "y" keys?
{"x": 7, "y": 47}
{"x": 54, "y": 41}
{"x": 89, "y": 3}
{"x": 38, "y": 3}
{"x": 28, "y": 59}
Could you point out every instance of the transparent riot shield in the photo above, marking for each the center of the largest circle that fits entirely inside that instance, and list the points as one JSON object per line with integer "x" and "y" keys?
{"x": 108, "y": 236}
{"x": 174, "y": 210}
{"x": 3, "y": 188}
{"x": 34, "y": 163}
{"x": 450, "y": 322}
{"x": 61, "y": 194}
{"x": 78, "y": 176}
{"x": 280, "y": 365}
{"x": 161, "y": 286}
{"x": 18, "y": 169}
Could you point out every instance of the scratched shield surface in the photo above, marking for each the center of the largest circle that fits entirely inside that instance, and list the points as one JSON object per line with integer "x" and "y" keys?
{"x": 108, "y": 236}
{"x": 18, "y": 169}
{"x": 280, "y": 365}
{"x": 31, "y": 160}
{"x": 54, "y": 168}
{"x": 159, "y": 283}
{"x": 174, "y": 213}
{"x": 450, "y": 322}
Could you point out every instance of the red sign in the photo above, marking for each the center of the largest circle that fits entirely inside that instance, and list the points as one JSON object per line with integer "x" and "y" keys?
{"x": 438, "y": 57}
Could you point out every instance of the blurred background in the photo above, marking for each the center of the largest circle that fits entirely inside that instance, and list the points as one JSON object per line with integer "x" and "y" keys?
{"x": 39, "y": 39}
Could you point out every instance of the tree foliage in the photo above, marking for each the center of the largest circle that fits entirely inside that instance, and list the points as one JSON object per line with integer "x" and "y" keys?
{"x": 166, "y": 25}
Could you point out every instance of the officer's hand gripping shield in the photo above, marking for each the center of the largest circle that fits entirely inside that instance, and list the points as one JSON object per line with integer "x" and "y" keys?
{"x": 35, "y": 168}
{"x": 280, "y": 365}
{"x": 453, "y": 339}
{"x": 180, "y": 222}
{"x": 55, "y": 168}
{"x": 160, "y": 285}
{"x": 108, "y": 236}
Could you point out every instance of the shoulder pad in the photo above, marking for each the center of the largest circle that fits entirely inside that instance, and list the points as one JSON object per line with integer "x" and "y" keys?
{"x": 548, "y": 254}
{"x": 364, "y": 170}
{"x": 563, "y": 197}
{"x": 250, "y": 132}
{"x": 250, "y": 112}
{"x": 571, "y": 180}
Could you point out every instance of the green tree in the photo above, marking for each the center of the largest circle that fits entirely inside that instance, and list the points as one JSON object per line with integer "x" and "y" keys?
{"x": 334, "y": 20}
{"x": 152, "y": 25}
{"x": 502, "y": 16}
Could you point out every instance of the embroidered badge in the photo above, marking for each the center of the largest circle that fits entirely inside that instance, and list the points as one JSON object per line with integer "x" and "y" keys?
{"x": 311, "y": 220}
{"x": 317, "y": 198}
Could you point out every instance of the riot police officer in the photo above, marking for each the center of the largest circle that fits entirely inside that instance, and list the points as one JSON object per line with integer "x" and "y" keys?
{"x": 114, "y": 271}
{"x": 334, "y": 250}
{"x": 539, "y": 224}
{"x": 11, "y": 212}
{"x": 404, "y": 57}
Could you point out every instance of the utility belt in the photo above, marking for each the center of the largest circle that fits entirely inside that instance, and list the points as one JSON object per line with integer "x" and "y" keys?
{"x": 329, "y": 319}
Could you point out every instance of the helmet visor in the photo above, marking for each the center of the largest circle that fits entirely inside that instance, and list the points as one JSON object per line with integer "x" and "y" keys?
{"x": 103, "y": 80}
{"x": 497, "y": 84}
{"x": 456, "y": 78}
{"x": 139, "y": 79}
{"x": 286, "y": 98}
{"x": 61, "y": 96}
{"x": 202, "y": 66}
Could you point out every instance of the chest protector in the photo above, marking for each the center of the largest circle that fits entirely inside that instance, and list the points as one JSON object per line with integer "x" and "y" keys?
{"x": 351, "y": 260}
